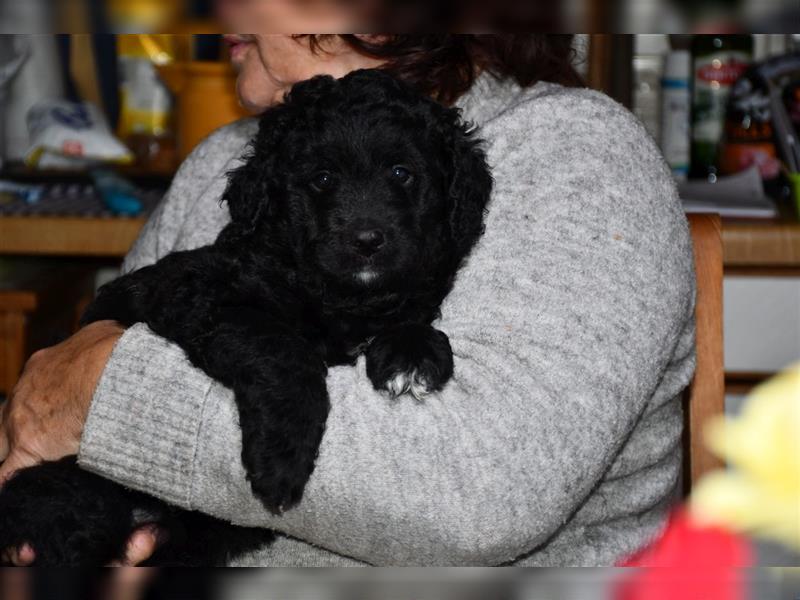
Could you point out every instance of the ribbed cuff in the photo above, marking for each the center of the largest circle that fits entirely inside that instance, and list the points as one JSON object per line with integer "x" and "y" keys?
{"x": 143, "y": 423}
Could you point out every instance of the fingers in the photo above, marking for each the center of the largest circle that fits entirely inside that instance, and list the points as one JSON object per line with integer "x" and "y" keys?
{"x": 4, "y": 444}
{"x": 19, "y": 557}
{"x": 141, "y": 546}
{"x": 25, "y": 556}
{"x": 14, "y": 462}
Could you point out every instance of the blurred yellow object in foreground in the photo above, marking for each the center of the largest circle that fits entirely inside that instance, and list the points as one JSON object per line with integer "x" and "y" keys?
{"x": 761, "y": 494}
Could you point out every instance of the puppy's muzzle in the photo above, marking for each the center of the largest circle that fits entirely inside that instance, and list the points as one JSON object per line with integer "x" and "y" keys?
{"x": 369, "y": 241}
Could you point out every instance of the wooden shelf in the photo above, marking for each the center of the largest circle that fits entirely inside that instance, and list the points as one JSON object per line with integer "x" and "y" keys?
{"x": 748, "y": 246}
{"x": 138, "y": 175}
{"x": 98, "y": 235}
{"x": 68, "y": 236}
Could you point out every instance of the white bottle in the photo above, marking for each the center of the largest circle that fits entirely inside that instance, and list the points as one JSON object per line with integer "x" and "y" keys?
{"x": 676, "y": 106}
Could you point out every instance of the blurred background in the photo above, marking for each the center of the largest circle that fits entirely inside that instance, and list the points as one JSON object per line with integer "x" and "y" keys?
{"x": 101, "y": 101}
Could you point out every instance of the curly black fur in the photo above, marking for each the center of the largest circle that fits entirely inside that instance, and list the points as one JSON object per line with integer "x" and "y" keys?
{"x": 357, "y": 203}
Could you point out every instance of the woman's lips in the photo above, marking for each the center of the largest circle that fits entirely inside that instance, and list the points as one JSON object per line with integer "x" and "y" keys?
{"x": 237, "y": 44}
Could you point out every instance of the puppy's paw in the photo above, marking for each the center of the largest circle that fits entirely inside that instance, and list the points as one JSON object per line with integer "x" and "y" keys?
{"x": 412, "y": 382}
{"x": 410, "y": 359}
{"x": 277, "y": 494}
{"x": 278, "y": 484}
{"x": 118, "y": 300}
{"x": 279, "y": 463}
{"x": 283, "y": 419}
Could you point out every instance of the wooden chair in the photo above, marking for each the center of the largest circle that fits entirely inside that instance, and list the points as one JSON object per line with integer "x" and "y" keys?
{"x": 706, "y": 393}
{"x": 39, "y": 304}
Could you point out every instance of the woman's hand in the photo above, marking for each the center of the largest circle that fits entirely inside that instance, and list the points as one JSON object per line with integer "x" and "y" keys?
{"x": 141, "y": 546}
{"x": 43, "y": 418}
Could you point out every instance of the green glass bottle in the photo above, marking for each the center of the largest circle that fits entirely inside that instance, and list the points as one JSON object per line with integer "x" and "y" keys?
{"x": 717, "y": 62}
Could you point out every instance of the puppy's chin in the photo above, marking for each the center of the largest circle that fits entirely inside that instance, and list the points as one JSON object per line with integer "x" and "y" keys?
{"x": 360, "y": 279}
{"x": 366, "y": 277}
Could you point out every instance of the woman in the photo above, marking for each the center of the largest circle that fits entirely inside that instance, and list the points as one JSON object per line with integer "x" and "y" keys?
{"x": 558, "y": 440}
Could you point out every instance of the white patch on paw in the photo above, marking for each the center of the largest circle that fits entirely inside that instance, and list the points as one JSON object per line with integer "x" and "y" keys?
{"x": 410, "y": 382}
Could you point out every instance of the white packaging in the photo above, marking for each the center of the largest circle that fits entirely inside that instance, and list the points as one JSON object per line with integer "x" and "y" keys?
{"x": 676, "y": 107}
{"x": 68, "y": 134}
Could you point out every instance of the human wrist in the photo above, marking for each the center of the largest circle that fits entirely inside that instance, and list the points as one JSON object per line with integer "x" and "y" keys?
{"x": 102, "y": 336}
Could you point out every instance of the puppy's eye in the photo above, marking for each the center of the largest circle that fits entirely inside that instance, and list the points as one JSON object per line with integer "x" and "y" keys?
{"x": 401, "y": 174}
{"x": 322, "y": 181}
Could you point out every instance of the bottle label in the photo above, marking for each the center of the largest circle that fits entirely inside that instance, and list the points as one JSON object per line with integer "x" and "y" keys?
{"x": 714, "y": 74}
{"x": 725, "y": 73}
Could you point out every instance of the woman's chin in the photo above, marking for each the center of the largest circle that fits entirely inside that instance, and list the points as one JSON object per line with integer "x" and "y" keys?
{"x": 254, "y": 102}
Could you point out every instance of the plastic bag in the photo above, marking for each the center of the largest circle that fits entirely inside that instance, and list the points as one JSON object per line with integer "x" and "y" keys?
{"x": 71, "y": 135}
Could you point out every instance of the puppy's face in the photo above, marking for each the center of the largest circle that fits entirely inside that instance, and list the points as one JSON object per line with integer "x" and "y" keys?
{"x": 371, "y": 199}
{"x": 376, "y": 187}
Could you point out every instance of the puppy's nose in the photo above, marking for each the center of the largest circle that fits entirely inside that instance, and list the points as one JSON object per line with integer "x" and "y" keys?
{"x": 369, "y": 241}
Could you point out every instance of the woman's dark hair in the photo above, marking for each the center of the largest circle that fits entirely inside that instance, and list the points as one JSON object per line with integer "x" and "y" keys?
{"x": 445, "y": 66}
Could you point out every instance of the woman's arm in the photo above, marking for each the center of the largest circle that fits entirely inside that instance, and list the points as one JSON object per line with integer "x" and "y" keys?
{"x": 562, "y": 325}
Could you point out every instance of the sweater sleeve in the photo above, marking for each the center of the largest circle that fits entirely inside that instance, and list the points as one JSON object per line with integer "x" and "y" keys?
{"x": 562, "y": 324}
{"x": 143, "y": 364}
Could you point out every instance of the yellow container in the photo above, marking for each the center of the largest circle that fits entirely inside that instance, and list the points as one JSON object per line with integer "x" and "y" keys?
{"x": 205, "y": 95}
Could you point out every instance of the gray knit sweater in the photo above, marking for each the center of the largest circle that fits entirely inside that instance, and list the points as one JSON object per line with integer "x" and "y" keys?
{"x": 558, "y": 440}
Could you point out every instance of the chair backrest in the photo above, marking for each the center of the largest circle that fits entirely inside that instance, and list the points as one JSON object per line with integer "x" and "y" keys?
{"x": 706, "y": 393}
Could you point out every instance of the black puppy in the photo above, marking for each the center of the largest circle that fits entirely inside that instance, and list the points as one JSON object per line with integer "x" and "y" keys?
{"x": 357, "y": 203}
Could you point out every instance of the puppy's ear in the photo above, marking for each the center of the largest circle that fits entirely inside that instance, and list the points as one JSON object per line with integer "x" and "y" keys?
{"x": 470, "y": 187}
{"x": 249, "y": 185}
{"x": 310, "y": 92}
{"x": 247, "y": 192}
